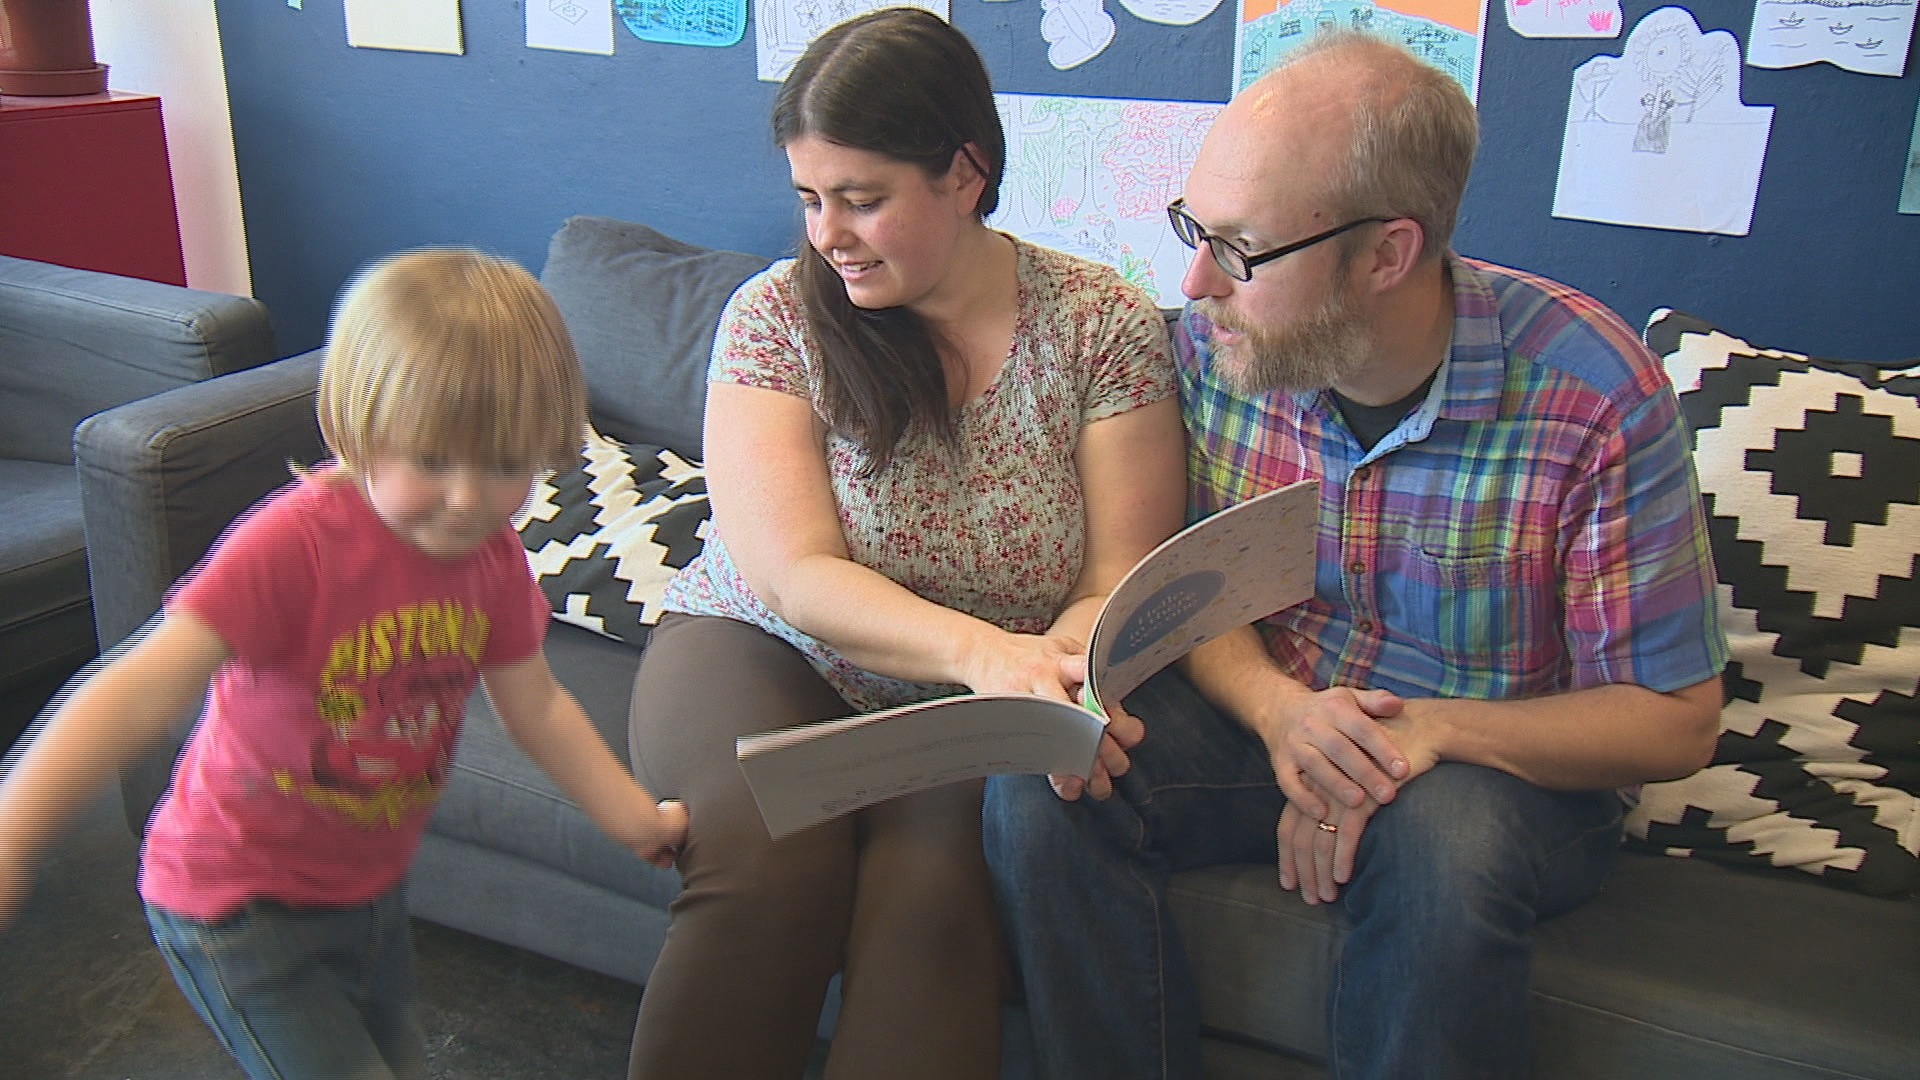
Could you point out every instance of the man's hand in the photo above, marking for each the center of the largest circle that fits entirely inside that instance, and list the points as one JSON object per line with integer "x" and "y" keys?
{"x": 1317, "y": 856}
{"x": 1328, "y": 747}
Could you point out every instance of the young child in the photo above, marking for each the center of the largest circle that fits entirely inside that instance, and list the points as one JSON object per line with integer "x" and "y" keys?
{"x": 342, "y": 623}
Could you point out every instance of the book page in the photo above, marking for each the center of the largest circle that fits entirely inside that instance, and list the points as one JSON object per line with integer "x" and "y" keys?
{"x": 805, "y": 775}
{"x": 1218, "y": 574}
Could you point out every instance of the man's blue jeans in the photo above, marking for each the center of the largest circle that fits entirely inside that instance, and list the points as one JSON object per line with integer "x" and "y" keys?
{"x": 303, "y": 993}
{"x": 1432, "y": 980}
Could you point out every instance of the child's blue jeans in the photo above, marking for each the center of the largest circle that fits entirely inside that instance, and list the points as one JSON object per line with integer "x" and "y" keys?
{"x": 303, "y": 993}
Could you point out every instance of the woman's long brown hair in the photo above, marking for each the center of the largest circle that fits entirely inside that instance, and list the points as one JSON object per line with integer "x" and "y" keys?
{"x": 901, "y": 83}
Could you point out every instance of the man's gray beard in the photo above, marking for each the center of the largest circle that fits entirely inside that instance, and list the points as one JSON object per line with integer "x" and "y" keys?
{"x": 1314, "y": 353}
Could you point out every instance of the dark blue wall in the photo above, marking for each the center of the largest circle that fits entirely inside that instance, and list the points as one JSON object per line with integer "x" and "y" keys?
{"x": 346, "y": 154}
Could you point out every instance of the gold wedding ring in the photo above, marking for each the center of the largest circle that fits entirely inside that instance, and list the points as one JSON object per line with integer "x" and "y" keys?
{"x": 1327, "y": 826}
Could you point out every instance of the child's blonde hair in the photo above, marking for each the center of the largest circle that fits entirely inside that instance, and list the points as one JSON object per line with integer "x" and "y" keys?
{"x": 455, "y": 353}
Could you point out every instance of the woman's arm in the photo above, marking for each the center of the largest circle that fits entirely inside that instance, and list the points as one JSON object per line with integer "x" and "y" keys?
{"x": 773, "y": 502}
{"x": 1133, "y": 480}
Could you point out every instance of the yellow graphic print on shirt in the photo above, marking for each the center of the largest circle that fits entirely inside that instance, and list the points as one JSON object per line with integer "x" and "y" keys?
{"x": 392, "y": 696}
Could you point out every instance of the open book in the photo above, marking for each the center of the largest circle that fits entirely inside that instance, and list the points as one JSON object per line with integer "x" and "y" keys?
{"x": 1216, "y": 575}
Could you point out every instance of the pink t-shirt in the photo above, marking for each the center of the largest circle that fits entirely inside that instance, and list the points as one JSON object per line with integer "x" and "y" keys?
{"x": 327, "y": 736}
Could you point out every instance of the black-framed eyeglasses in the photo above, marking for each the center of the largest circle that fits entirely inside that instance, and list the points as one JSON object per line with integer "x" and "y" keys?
{"x": 1238, "y": 264}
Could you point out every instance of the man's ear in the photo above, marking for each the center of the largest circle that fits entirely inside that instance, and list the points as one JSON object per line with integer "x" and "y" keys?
{"x": 1401, "y": 246}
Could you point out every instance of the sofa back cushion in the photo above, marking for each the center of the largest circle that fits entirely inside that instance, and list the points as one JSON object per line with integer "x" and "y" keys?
{"x": 642, "y": 308}
{"x": 77, "y": 342}
{"x": 1810, "y": 470}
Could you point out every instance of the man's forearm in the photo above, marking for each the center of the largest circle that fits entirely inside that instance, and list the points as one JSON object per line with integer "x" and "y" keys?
{"x": 1237, "y": 674}
{"x": 1607, "y": 736}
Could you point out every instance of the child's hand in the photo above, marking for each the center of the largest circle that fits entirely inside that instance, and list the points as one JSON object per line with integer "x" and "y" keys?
{"x": 658, "y": 837}
{"x": 548, "y": 724}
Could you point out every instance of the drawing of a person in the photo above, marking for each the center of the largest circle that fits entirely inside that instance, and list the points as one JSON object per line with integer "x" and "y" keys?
{"x": 1656, "y": 125}
{"x": 1665, "y": 55}
{"x": 1676, "y": 78}
{"x": 1590, "y": 80}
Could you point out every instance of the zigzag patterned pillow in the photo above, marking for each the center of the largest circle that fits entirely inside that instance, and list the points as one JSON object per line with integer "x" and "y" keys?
{"x": 1811, "y": 471}
{"x": 603, "y": 539}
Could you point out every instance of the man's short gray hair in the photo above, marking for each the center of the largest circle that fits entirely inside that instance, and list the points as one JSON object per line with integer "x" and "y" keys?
{"x": 1414, "y": 136}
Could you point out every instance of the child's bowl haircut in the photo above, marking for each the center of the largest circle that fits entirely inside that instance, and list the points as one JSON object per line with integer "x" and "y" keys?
{"x": 454, "y": 354}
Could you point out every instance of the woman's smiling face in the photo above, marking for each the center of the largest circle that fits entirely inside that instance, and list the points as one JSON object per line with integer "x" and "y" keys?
{"x": 886, "y": 227}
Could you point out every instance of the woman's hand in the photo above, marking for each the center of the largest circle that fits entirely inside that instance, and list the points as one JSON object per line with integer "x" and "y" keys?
{"x": 998, "y": 662}
{"x": 1123, "y": 733}
{"x": 1052, "y": 665}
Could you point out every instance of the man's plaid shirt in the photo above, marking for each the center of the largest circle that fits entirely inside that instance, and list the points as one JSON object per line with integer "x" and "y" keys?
{"x": 1533, "y": 527}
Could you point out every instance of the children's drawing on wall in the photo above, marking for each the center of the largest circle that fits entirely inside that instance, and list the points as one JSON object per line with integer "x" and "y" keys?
{"x": 1564, "y": 18}
{"x": 1170, "y": 12}
{"x": 1659, "y": 137}
{"x": 1868, "y": 36}
{"x": 1444, "y": 33}
{"x": 714, "y": 23}
{"x": 1076, "y": 31}
{"x": 1910, "y": 190}
{"x": 583, "y": 26}
{"x": 784, "y": 28}
{"x": 409, "y": 25}
{"x": 1093, "y": 176}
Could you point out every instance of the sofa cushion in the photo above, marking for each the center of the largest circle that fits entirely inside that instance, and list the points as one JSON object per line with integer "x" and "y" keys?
{"x": 497, "y": 799}
{"x": 46, "y": 622}
{"x": 1660, "y": 976}
{"x": 43, "y": 550}
{"x": 642, "y": 308}
{"x": 1811, "y": 473}
{"x": 604, "y": 538}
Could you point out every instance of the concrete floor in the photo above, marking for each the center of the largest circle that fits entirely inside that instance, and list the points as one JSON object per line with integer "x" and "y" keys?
{"x": 85, "y": 996}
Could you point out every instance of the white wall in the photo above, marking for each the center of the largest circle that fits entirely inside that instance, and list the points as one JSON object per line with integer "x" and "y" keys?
{"x": 172, "y": 48}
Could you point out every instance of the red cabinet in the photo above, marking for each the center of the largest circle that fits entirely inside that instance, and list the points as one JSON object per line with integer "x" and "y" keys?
{"x": 84, "y": 183}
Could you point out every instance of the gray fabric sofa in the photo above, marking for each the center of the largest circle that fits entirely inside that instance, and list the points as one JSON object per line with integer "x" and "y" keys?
{"x": 1681, "y": 968}
{"x": 74, "y": 343}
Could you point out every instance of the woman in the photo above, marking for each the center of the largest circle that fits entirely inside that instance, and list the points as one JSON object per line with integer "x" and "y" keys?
{"x": 931, "y": 451}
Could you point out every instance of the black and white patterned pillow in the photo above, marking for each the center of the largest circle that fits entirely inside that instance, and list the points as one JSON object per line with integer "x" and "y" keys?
{"x": 604, "y": 538}
{"x": 1811, "y": 472}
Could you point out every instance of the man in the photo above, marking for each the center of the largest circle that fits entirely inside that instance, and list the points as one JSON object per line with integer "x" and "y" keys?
{"x": 1513, "y": 616}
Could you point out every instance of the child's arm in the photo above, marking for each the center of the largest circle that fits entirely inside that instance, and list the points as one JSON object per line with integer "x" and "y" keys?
{"x": 549, "y": 725}
{"x": 124, "y": 708}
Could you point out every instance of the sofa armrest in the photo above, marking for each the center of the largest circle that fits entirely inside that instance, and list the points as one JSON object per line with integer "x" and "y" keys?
{"x": 76, "y": 342}
{"x": 160, "y": 478}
